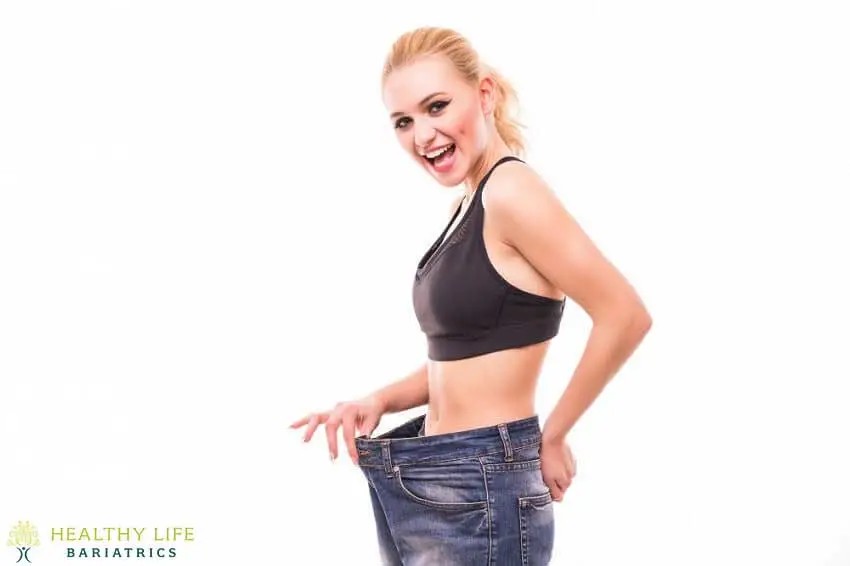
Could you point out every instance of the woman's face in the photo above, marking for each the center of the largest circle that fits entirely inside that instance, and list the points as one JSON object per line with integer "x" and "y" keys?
{"x": 438, "y": 117}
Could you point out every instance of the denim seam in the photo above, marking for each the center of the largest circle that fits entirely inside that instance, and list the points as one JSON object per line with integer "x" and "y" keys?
{"x": 489, "y": 513}
{"x": 523, "y": 539}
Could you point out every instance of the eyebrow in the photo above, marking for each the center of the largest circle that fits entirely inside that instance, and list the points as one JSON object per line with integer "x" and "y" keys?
{"x": 421, "y": 103}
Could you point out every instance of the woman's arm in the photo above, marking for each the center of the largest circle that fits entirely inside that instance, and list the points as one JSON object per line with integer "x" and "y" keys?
{"x": 615, "y": 335}
{"x": 406, "y": 393}
{"x": 532, "y": 219}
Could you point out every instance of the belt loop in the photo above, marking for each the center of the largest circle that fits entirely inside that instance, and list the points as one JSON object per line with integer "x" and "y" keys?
{"x": 385, "y": 454}
{"x": 506, "y": 440}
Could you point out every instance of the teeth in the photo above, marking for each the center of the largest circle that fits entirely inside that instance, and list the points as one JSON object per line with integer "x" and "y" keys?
{"x": 439, "y": 152}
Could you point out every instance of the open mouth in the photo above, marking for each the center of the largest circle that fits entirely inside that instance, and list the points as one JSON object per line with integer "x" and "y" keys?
{"x": 442, "y": 156}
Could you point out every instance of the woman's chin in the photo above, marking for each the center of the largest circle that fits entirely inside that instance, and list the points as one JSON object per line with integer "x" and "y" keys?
{"x": 446, "y": 181}
{"x": 451, "y": 178}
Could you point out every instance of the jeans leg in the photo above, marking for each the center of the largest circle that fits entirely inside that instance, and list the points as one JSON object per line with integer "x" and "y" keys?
{"x": 388, "y": 550}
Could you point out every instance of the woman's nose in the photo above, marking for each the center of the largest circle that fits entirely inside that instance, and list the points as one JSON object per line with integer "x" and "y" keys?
{"x": 423, "y": 135}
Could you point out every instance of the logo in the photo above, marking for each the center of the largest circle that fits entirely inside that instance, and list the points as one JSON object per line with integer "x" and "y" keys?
{"x": 23, "y": 536}
{"x": 158, "y": 542}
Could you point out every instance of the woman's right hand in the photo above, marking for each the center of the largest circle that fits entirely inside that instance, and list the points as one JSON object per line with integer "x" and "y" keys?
{"x": 363, "y": 414}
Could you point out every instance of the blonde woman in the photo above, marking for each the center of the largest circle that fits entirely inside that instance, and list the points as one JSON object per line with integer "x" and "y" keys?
{"x": 473, "y": 480}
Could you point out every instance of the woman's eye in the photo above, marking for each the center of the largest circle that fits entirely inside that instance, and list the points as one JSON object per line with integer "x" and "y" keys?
{"x": 439, "y": 105}
{"x": 433, "y": 109}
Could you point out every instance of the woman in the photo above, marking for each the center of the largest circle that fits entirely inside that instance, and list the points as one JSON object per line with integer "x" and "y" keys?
{"x": 473, "y": 480}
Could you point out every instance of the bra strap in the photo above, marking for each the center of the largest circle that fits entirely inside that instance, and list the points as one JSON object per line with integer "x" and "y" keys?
{"x": 499, "y": 162}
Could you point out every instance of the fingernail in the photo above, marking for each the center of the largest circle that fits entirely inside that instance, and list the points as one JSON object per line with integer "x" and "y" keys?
{"x": 331, "y": 456}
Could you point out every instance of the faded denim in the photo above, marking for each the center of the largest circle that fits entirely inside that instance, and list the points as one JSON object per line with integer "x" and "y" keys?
{"x": 469, "y": 498}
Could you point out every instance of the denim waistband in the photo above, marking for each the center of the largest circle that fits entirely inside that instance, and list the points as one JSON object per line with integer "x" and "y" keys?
{"x": 403, "y": 444}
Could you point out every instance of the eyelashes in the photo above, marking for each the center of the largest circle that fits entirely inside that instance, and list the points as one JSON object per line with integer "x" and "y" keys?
{"x": 434, "y": 108}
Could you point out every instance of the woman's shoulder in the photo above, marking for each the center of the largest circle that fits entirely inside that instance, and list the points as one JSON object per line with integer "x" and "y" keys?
{"x": 514, "y": 183}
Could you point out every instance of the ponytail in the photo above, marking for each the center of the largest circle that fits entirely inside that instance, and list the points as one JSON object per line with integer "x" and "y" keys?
{"x": 506, "y": 102}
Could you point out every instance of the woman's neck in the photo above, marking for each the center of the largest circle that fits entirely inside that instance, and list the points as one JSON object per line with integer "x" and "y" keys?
{"x": 489, "y": 157}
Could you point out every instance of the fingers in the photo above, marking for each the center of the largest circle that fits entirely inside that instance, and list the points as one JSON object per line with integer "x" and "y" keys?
{"x": 348, "y": 424}
{"x": 331, "y": 427}
{"x": 571, "y": 462}
{"x": 558, "y": 484}
{"x": 313, "y": 421}
{"x": 345, "y": 414}
{"x": 368, "y": 425}
{"x": 556, "y": 491}
{"x": 300, "y": 422}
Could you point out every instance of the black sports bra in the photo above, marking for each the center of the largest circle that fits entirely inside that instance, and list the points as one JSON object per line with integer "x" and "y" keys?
{"x": 464, "y": 306}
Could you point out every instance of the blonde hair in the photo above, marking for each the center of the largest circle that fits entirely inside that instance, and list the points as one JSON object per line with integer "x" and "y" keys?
{"x": 425, "y": 41}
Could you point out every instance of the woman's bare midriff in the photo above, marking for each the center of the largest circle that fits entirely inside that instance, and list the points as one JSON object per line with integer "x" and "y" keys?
{"x": 483, "y": 390}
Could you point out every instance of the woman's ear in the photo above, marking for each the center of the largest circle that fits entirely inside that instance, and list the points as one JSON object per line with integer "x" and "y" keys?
{"x": 487, "y": 95}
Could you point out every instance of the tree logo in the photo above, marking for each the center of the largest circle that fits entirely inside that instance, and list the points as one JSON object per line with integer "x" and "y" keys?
{"x": 23, "y": 536}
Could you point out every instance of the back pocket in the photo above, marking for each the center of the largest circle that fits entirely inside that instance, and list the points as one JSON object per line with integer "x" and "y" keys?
{"x": 537, "y": 528}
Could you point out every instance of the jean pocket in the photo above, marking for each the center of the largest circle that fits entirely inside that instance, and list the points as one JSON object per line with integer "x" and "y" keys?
{"x": 450, "y": 487}
{"x": 537, "y": 528}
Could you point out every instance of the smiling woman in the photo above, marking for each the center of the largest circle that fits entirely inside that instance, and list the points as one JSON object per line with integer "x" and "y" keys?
{"x": 444, "y": 73}
{"x": 474, "y": 480}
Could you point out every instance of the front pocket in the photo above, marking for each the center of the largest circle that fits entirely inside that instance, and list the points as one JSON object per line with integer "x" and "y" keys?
{"x": 537, "y": 528}
{"x": 455, "y": 487}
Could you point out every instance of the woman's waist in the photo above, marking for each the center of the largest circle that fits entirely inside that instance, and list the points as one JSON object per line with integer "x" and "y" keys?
{"x": 453, "y": 421}
{"x": 457, "y": 403}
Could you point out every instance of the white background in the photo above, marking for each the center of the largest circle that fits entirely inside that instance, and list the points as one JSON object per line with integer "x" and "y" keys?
{"x": 207, "y": 230}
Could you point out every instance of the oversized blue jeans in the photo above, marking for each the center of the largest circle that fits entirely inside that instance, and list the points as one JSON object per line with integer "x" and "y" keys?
{"x": 469, "y": 498}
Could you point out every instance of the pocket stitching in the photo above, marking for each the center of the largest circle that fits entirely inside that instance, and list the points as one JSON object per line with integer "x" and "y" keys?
{"x": 537, "y": 501}
{"x": 455, "y": 505}
{"x": 533, "y": 464}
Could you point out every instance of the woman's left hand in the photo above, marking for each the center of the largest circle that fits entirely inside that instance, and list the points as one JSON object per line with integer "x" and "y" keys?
{"x": 557, "y": 465}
